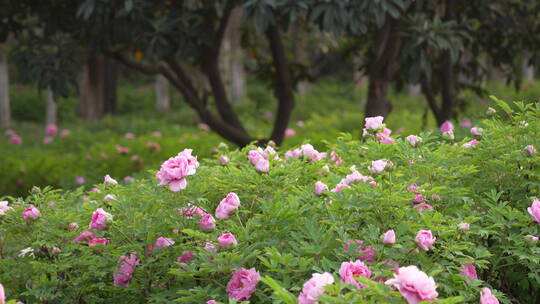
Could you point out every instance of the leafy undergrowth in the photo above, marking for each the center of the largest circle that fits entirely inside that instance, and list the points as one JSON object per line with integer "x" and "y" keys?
{"x": 458, "y": 209}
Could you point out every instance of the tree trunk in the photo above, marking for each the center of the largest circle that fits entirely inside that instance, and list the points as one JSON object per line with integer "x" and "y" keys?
{"x": 283, "y": 84}
{"x": 382, "y": 69}
{"x": 91, "y": 89}
{"x": 5, "y": 112}
{"x": 232, "y": 57}
{"x": 51, "y": 116}
{"x": 110, "y": 84}
{"x": 447, "y": 75}
{"x": 527, "y": 69}
{"x": 163, "y": 100}
{"x": 301, "y": 55}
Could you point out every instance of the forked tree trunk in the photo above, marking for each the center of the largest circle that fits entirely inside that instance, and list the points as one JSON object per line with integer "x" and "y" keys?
{"x": 163, "y": 101}
{"x": 5, "y": 111}
{"x": 51, "y": 116}
{"x": 382, "y": 69}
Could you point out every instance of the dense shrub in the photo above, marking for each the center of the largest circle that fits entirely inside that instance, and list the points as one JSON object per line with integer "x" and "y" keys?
{"x": 285, "y": 232}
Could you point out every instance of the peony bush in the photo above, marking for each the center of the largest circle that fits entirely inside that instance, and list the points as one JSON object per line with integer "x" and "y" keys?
{"x": 386, "y": 219}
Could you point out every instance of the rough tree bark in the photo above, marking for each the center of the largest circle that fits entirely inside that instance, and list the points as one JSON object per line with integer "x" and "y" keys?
{"x": 301, "y": 55}
{"x": 5, "y": 111}
{"x": 382, "y": 68}
{"x": 447, "y": 74}
{"x": 232, "y": 58}
{"x": 51, "y": 116}
{"x": 97, "y": 88}
{"x": 163, "y": 100}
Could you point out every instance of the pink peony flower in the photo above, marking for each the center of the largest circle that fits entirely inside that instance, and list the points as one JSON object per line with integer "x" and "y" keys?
{"x": 4, "y": 207}
{"x": 65, "y": 133}
{"x": 161, "y": 242}
{"x": 423, "y": 206}
{"x": 9, "y": 132}
{"x": 227, "y": 241}
{"x": 471, "y": 143}
{"x": 109, "y": 180}
{"x": 100, "y": 218}
{"x": 418, "y": 198}
{"x": 465, "y": 124}
{"x": 211, "y": 302}
{"x": 339, "y": 187}
{"x": 486, "y": 297}
{"x": 85, "y": 236}
{"x": 262, "y": 166}
{"x": 47, "y": 140}
{"x": 373, "y": 123}
{"x": 534, "y": 210}
{"x": 173, "y": 172}
{"x": 186, "y": 257}
{"x": 268, "y": 115}
{"x": 414, "y": 285}
{"x": 469, "y": 271}
{"x": 223, "y": 160}
{"x": 156, "y": 134}
{"x": 109, "y": 197}
{"x": 349, "y": 271}
{"x": 389, "y": 237}
{"x": 377, "y": 166}
{"x": 31, "y": 213}
{"x": 475, "y": 131}
{"x": 98, "y": 241}
{"x": 300, "y": 124}
{"x": 384, "y": 137}
{"x": 413, "y": 188}
{"x": 320, "y": 187}
{"x": 129, "y": 136}
{"x": 73, "y": 226}
{"x": 446, "y": 127}
{"x": 464, "y": 226}
{"x": 532, "y": 239}
{"x": 2, "y": 295}
{"x": 290, "y": 132}
{"x": 530, "y": 150}
{"x": 227, "y": 205}
{"x": 16, "y": 140}
{"x": 314, "y": 288}
{"x": 204, "y": 127}
{"x": 242, "y": 284}
{"x": 414, "y": 140}
{"x": 424, "y": 239}
{"x": 192, "y": 160}
{"x": 79, "y": 180}
{"x": 129, "y": 179}
{"x": 191, "y": 210}
{"x": 211, "y": 248}
{"x": 207, "y": 222}
{"x": 51, "y": 130}
{"x": 122, "y": 150}
{"x": 125, "y": 270}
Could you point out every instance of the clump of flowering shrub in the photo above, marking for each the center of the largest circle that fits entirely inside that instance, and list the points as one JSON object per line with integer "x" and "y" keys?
{"x": 430, "y": 218}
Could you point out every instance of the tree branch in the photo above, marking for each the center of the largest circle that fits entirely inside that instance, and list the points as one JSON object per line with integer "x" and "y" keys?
{"x": 132, "y": 64}
{"x": 430, "y": 98}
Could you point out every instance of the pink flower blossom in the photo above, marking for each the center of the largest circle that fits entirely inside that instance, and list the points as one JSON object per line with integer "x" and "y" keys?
{"x": 204, "y": 127}
{"x": 4, "y": 207}
{"x": 532, "y": 239}
{"x": 109, "y": 197}
{"x": 384, "y": 137}
{"x": 125, "y": 270}
{"x": 2, "y": 295}
{"x": 129, "y": 136}
{"x": 211, "y": 248}
{"x": 413, "y": 188}
{"x": 211, "y": 302}
{"x": 465, "y": 124}
{"x": 223, "y": 159}
{"x": 207, "y": 222}
{"x": 469, "y": 271}
{"x": 414, "y": 140}
{"x": 122, "y": 150}
{"x": 31, "y": 213}
{"x": 161, "y": 242}
{"x": 476, "y": 131}
{"x": 73, "y": 226}
{"x": 98, "y": 241}
{"x": 464, "y": 226}
{"x": 530, "y": 150}
{"x": 79, "y": 180}
{"x": 389, "y": 237}
{"x": 47, "y": 140}
{"x": 65, "y": 133}
{"x": 262, "y": 166}
{"x": 446, "y": 127}
{"x": 471, "y": 143}
{"x": 534, "y": 210}
{"x": 300, "y": 124}
{"x": 227, "y": 241}
{"x": 186, "y": 257}
{"x": 423, "y": 206}
{"x": 227, "y": 205}
{"x": 339, "y": 187}
{"x": 314, "y": 288}
{"x": 85, "y": 236}
{"x": 192, "y": 160}
{"x": 290, "y": 132}
{"x": 424, "y": 239}
{"x": 16, "y": 140}
{"x": 100, "y": 218}
{"x": 377, "y": 166}
{"x": 320, "y": 187}
{"x": 349, "y": 271}
{"x": 109, "y": 180}
{"x": 418, "y": 198}
{"x": 242, "y": 284}
{"x": 486, "y": 297}
{"x": 191, "y": 210}
{"x": 414, "y": 285}
{"x": 128, "y": 179}
{"x": 51, "y": 130}
{"x": 156, "y": 134}
{"x": 373, "y": 123}
{"x": 173, "y": 172}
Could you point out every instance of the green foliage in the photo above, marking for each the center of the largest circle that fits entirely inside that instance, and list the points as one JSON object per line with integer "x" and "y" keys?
{"x": 286, "y": 232}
